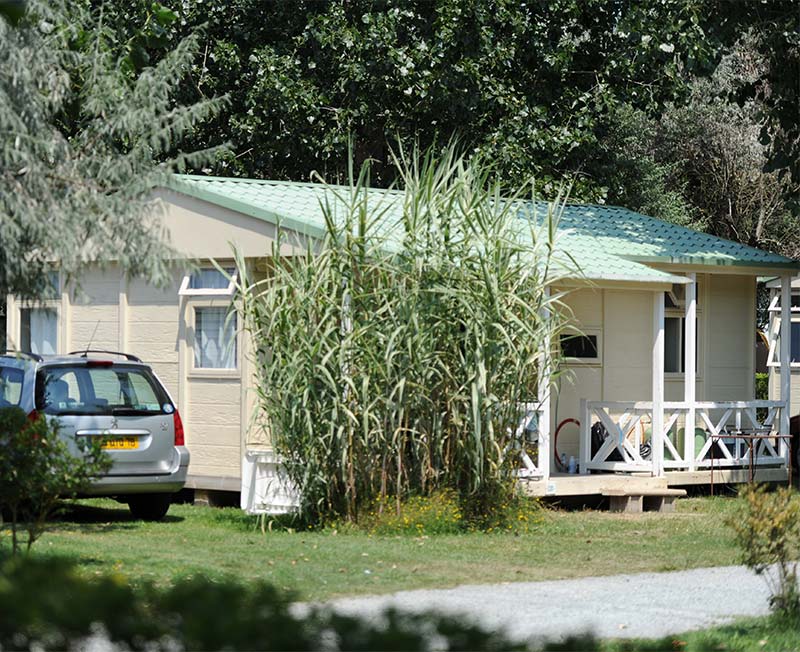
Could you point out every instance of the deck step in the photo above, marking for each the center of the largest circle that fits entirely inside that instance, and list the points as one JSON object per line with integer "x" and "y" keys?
{"x": 632, "y": 501}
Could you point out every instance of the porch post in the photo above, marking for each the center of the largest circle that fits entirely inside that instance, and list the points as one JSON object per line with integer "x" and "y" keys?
{"x": 657, "y": 441}
{"x": 690, "y": 368}
{"x": 543, "y": 397}
{"x": 786, "y": 370}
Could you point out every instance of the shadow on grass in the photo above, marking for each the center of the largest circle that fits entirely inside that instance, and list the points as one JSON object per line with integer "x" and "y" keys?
{"x": 72, "y": 516}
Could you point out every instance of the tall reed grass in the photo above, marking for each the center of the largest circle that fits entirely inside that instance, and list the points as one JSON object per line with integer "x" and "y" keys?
{"x": 393, "y": 355}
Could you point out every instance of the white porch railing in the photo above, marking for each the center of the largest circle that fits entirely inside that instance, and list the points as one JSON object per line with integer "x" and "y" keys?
{"x": 626, "y": 423}
{"x": 716, "y": 436}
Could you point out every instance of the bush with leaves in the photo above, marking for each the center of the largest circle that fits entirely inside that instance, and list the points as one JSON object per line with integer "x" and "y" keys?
{"x": 188, "y": 616}
{"x": 37, "y": 468}
{"x": 767, "y": 530}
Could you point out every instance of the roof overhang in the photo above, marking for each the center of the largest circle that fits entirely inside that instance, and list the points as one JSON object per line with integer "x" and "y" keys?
{"x": 775, "y": 283}
{"x": 700, "y": 265}
{"x": 621, "y": 284}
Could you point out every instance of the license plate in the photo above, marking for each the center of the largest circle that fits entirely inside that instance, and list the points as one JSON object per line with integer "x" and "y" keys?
{"x": 120, "y": 443}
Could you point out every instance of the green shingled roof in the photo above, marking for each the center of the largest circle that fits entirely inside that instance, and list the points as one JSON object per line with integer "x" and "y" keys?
{"x": 607, "y": 242}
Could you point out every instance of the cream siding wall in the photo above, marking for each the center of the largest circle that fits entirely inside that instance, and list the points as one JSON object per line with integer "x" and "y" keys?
{"x": 628, "y": 328}
{"x": 201, "y": 230}
{"x": 731, "y": 322}
{"x": 94, "y": 311}
{"x": 775, "y": 389}
{"x": 579, "y": 380}
{"x": 213, "y": 428}
{"x": 152, "y": 328}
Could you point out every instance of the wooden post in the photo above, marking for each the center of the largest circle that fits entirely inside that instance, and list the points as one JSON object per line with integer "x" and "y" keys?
{"x": 657, "y": 441}
{"x": 585, "y": 452}
{"x": 786, "y": 369}
{"x": 543, "y": 397}
{"x": 690, "y": 369}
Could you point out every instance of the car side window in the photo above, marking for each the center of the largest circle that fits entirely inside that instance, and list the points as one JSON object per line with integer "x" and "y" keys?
{"x": 11, "y": 385}
{"x": 63, "y": 391}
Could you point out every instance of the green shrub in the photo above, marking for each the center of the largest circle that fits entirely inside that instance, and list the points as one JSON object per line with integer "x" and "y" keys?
{"x": 443, "y": 513}
{"x": 762, "y": 386}
{"x": 506, "y": 511}
{"x": 200, "y": 614}
{"x": 394, "y": 357}
{"x": 37, "y": 468}
{"x": 439, "y": 513}
{"x": 767, "y": 530}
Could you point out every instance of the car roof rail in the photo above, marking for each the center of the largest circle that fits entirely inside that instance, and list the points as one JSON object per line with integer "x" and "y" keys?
{"x": 25, "y": 354}
{"x": 84, "y": 353}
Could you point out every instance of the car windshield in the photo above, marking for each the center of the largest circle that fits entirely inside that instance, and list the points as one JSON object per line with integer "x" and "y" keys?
{"x": 85, "y": 389}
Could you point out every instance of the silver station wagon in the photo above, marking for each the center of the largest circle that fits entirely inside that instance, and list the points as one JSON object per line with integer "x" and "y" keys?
{"x": 114, "y": 396}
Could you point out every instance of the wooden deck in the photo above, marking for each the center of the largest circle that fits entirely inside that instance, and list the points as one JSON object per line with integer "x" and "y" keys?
{"x": 596, "y": 483}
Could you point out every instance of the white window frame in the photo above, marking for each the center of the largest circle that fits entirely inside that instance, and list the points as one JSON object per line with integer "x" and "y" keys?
{"x": 773, "y": 337}
{"x": 699, "y": 349}
{"x": 191, "y": 321}
{"x": 774, "y": 330}
{"x": 585, "y": 332}
{"x": 186, "y": 291}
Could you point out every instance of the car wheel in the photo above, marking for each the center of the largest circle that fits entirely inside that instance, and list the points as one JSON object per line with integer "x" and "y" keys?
{"x": 149, "y": 507}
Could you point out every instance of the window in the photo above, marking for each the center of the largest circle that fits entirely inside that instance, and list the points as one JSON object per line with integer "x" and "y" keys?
{"x": 208, "y": 282}
{"x": 584, "y": 348}
{"x": 117, "y": 390}
{"x": 215, "y": 338}
{"x": 675, "y": 345}
{"x": 579, "y": 346}
{"x": 795, "y": 345}
{"x": 39, "y": 330}
{"x": 11, "y": 380}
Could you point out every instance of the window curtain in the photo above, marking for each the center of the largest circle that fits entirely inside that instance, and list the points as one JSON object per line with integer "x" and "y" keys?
{"x": 40, "y": 329}
{"x": 215, "y": 340}
{"x": 209, "y": 279}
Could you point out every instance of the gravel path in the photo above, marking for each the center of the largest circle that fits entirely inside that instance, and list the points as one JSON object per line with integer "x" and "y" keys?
{"x": 643, "y": 605}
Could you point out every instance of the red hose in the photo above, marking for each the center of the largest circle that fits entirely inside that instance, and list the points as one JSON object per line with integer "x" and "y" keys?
{"x": 560, "y": 466}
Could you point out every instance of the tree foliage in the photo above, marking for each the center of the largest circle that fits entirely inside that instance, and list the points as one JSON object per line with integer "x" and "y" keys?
{"x": 526, "y": 84}
{"x": 702, "y": 162}
{"x": 84, "y": 137}
{"x": 544, "y": 89}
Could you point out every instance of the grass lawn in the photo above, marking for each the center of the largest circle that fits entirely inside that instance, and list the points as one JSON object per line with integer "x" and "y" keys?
{"x": 101, "y": 536}
{"x": 748, "y": 635}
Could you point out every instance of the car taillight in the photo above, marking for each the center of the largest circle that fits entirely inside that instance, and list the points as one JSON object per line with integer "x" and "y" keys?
{"x": 176, "y": 419}
{"x": 100, "y": 363}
